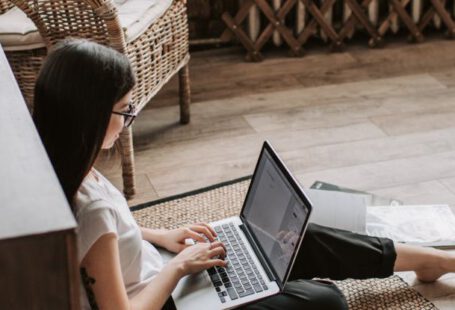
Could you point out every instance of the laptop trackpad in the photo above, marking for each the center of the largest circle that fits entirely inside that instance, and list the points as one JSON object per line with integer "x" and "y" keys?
{"x": 195, "y": 290}
{"x": 192, "y": 283}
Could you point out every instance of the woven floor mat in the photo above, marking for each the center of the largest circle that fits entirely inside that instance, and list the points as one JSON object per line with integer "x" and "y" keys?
{"x": 378, "y": 294}
{"x": 226, "y": 199}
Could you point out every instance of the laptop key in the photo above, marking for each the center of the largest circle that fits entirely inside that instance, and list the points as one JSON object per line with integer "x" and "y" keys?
{"x": 246, "y": 293}
{"x": 249, "y": 291}
{"x": 257, "y": 288}
{"x": 232, "y": 294}
{"x": 223, "y": 300}
{"x": 215, "y": 278}
{"x": 239, "y": 290}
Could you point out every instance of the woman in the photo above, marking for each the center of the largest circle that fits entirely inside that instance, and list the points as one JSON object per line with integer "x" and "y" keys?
{"x": 82, "y": 103}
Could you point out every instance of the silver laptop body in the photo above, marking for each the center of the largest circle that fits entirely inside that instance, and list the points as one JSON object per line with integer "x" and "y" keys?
{"x": 262, "y": 243}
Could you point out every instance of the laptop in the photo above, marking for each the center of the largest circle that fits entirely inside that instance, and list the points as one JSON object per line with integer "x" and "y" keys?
{"x": 262, "y": 242}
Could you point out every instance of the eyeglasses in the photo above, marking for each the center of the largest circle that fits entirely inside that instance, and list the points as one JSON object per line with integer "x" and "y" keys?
{"x": 129, "y": 115}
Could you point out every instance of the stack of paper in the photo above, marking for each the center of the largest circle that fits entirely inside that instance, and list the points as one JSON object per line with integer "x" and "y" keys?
{"x": 427, "y": 225}
{"x": 362, "y": 212}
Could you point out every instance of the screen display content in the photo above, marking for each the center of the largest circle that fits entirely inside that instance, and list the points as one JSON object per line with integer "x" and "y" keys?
{"x": 275, "y": 214}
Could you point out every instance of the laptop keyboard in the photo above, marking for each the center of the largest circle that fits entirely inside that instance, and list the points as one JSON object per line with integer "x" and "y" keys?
{"x": 241, "y": 277}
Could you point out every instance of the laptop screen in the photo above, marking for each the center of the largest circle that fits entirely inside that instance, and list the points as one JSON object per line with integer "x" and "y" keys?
{"x": 275, "y": 213}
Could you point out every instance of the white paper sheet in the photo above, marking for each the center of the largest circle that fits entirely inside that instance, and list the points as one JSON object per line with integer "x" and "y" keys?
{"x": 432, "y": 225}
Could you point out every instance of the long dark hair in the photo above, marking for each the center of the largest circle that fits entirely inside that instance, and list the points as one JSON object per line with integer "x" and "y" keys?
{"x": 77, "y": 87}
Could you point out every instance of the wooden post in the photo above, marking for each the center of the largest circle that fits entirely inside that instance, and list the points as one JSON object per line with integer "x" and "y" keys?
{"x": 38, "y": 255}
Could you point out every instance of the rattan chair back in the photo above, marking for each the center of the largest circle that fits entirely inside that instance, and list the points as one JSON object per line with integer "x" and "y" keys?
{"x": 157, "y": 54}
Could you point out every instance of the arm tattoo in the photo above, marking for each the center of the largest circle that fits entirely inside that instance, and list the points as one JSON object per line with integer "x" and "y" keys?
{"x": 87, "y": 281}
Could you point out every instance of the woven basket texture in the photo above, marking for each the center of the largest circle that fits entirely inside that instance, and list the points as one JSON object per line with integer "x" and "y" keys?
{"x": 5, "y": 6}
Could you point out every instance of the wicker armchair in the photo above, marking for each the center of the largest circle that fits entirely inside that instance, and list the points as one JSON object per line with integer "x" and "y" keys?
{"x": 157, "y": 54}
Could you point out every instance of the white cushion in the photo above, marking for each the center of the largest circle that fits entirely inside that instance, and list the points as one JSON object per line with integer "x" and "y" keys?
{"x": 18, "y": 32}
{"x": 137, "y": 15}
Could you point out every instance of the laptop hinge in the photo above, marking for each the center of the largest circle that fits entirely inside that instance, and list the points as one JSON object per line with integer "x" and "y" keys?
{"x": 258, "y": 253}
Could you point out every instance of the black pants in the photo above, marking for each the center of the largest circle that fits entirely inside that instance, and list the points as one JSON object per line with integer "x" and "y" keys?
{"x": 335, "y": 254}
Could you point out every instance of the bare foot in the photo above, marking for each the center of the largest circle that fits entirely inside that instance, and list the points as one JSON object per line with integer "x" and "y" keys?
{"x": 429, "y": 264}
{"x": 430, "y": 274}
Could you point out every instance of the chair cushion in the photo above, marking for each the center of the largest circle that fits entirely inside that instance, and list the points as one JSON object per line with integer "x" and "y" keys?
{"x": 137, "y": 15}
{"x": 18, "y": 32}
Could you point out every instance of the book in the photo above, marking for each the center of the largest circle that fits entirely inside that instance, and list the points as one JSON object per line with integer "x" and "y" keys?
{"x": 372, "y": 200}
{"x": 325, "y": 202}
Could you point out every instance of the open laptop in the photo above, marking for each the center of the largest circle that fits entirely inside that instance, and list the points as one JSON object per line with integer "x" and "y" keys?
{"x": 262, "y": 243}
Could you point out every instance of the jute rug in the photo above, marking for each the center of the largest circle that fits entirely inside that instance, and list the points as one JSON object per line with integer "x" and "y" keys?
{"x": 226, "y": 199}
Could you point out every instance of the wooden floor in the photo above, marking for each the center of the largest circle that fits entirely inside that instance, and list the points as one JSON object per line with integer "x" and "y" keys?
{"x": 378, "y": 120}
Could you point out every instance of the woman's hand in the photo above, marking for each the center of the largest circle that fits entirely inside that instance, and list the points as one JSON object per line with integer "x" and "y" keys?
{"x": 174, "y": 240}
{"x": 198, "y": 257}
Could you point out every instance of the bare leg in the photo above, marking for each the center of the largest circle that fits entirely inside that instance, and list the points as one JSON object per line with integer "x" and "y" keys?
{"x": 429, "y": 264}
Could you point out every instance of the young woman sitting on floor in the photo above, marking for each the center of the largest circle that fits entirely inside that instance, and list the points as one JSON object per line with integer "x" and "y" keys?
{"x": 82, "y": 103}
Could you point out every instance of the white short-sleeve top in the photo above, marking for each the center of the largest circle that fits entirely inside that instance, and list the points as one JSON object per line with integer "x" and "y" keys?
{"x": 100, "y": 209}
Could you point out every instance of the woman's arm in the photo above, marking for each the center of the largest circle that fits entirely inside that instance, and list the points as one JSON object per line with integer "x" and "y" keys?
{"x": 102, "y": 264}
{"x": 155, "y": 294}
{"x": 153, "y": 235}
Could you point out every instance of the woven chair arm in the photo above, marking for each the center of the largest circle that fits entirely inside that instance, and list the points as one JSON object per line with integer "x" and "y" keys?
{"x": 5, "y": 5}
{"x": 102, "y": 24}
{"x": 32, "y": 13}
{"x": 107, "y": 11}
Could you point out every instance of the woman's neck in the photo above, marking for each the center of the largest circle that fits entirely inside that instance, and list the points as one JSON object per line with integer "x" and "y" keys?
{"x": 93, "y": 175}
